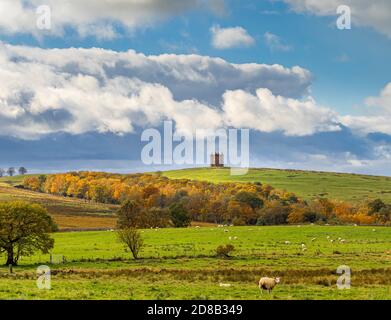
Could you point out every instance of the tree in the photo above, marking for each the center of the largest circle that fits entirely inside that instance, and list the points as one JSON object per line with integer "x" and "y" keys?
{"x": 22, "y": 171}
{"x": 11, "y": 171}
{"x": 2, "y": 172}
{"x": 249, "y": 198}
{"x": 24, "y": 229}
{"x": 131, "y": 237}
{"x": 129, "y": 215}
{"x": 179, "y": 215}
{"x": 375, "y": 206}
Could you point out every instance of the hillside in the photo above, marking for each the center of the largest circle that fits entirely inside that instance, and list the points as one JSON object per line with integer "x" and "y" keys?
{"x": 306, "y": 184}
{"x": 68, "y": 213}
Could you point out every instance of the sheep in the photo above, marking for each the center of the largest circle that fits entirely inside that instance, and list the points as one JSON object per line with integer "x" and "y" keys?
{"x": 226, "y": 285}
{"x": 313, "y": 239}
{"x": 268, "y": 284}
{"x": 225, "y": 230}
{"x": 287, "y": 242}
{"x": 342, "y": 241}
{"x": 235, "y": 238}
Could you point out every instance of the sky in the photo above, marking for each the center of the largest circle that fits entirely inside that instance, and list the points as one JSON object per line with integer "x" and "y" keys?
{"x": 78, "y": 94}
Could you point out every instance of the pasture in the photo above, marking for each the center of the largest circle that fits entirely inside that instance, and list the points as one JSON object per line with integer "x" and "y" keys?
{"x": 182, "y": 264}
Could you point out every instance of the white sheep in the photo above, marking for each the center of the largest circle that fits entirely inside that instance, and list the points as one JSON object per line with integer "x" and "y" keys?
{"x": 313, "y": 239}
{"x": 342, "y": 241}
{"x": 268, "y": 284}
{"x": 226, "y": 285}
{"x": 287, "y": 242}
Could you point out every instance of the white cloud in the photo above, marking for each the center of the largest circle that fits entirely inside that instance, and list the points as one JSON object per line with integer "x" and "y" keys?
{"x": 378, "y": 117}
{"x": 226, "y": 38}
{"x": 369, "y": 13}
{"x": 267, "y": 113}
{"x": 275, "y": 43}
{"x": 98, "y": 18}
{"x": 80, "y": 90}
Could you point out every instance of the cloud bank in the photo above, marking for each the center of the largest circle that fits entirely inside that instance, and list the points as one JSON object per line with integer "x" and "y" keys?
{"x": 81, "y": 90}
{"x": 97, "y": 18}
{"x": 367, "y": 13}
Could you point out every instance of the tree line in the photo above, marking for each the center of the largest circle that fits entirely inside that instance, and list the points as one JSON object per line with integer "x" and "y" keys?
{"x": 11, "y": 171}
{"x": 152, "y": 200}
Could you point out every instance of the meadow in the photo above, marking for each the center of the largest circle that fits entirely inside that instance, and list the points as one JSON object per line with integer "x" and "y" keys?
{"x": 309, "y": 185}
{"x": 182, "y": 264}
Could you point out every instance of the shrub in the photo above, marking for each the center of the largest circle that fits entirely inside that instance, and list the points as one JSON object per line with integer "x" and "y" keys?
{"x": 131, "y": 237}
{"x": 224, "y": 251}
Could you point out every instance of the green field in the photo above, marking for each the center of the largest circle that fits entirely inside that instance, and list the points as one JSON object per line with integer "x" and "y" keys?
{"x": 306, "y": 184}
{"x": 181, "y": 264}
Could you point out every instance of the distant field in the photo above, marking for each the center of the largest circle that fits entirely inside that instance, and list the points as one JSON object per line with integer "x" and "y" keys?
{"x": 306, "y": 184}
{"x": 69, "y": 213}
{"x": 181, "y": 264}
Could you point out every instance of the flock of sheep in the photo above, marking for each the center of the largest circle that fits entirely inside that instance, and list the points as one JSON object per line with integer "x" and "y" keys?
{"x": 267, "y": 283}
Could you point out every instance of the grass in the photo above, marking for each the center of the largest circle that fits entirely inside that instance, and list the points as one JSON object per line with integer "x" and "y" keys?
{"x": 181, "y": 264}
{"x": 306, "y": 184}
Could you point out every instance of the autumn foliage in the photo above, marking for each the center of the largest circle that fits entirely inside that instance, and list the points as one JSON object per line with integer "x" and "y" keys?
{"x": 153, "y": 200}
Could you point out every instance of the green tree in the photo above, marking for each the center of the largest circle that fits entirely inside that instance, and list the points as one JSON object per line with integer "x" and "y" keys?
{"x": 22, "y": 171}
{"x": 24, "y": 229}
{"x": 179, "y": 215}
{"x": 249, "y": 198}
{"x": 132, "y": 238}
{"x": 375, "y": 206}
{"x": 129, "y": 215}
{"x": 11, "y": 171}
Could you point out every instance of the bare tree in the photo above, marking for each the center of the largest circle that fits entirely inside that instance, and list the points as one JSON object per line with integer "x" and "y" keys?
{"x": 2, "y": 172}
{"x": 131, "y": 237}
{"x": 22, "y": 171}
{"x": 11, "y": 171}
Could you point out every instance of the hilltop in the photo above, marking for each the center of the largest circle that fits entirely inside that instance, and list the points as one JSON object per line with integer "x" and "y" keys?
{"x": 306, "y": 184}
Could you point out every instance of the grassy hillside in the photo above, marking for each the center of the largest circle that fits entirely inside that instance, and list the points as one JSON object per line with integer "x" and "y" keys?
{"x": 306, "y": 184}
{"x": 181, "y": 264}
{"x": 68, "y": 213}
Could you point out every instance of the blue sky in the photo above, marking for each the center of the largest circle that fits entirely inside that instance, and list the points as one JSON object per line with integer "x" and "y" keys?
{"x": 345, "y": 68}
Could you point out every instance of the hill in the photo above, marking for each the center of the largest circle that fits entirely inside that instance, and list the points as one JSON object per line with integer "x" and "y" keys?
{"x": 306, "y": 184}
{"x": 68, "y": 213}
